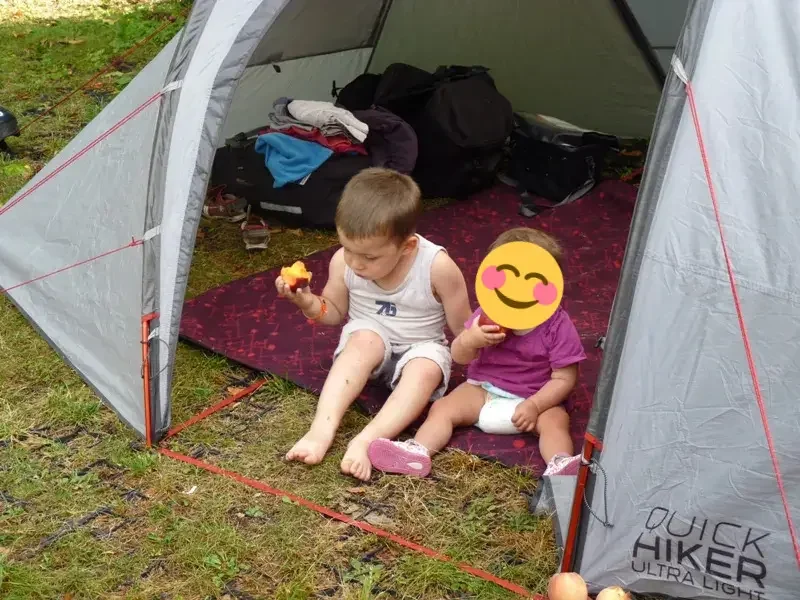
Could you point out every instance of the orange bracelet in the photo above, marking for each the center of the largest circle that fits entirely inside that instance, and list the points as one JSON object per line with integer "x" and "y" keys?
{"x": 323, "y": 310}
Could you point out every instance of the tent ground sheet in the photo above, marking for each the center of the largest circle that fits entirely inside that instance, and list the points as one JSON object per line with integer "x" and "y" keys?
{"x": 246, "y": 321}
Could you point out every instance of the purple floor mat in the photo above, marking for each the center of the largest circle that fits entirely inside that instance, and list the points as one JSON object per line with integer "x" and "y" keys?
{"x": 246, "y": 321}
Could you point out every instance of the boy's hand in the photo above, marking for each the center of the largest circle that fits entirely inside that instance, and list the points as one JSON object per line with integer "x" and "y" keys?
{"x": 480, "y": 336}
{"x": 302, "y": 298}
{"x": 525, "y": 416}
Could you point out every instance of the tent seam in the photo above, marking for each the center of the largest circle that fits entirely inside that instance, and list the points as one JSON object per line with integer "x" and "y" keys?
{"x": 717, "y": 275}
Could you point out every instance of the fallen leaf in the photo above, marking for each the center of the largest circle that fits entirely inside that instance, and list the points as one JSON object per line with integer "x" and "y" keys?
{"x": 352, "y": 509}
{"x": 356, "y": 490}
{"x": 233, "y": 390}
{"x": 378, "y": 519}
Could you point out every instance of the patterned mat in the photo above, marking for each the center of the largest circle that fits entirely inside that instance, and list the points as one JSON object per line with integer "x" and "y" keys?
{"x": 246, "y": 321}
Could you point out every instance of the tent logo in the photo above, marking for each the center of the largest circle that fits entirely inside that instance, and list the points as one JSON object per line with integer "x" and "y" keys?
{"x": 722, "y": 557}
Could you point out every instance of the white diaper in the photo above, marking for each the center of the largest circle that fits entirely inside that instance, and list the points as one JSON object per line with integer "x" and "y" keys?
{"x": 495, "y": 416}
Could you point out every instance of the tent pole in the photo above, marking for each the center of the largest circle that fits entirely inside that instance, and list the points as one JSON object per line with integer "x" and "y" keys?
{"x": 377, "y": 31}
{"x": 148, "y": 418}
{"x": 590, "y": 444}
{"x": 640, "y": 39}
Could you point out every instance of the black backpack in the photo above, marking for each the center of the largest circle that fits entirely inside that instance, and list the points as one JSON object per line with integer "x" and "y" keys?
{"x": 462, "y": 123}
{"x": 359, "y": 94}
{"x": 462, "y": 131}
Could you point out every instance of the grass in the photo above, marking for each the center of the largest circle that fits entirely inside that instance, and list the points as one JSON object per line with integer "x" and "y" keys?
{"x": 85, "y": 512}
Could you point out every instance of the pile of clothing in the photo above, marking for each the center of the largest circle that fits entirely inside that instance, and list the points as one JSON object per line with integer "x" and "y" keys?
{"x": 303, "y": 134}
{"x": 297, "y": 163}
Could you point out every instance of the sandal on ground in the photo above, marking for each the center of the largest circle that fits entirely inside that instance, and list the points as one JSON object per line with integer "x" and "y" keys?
{"x": 255, "y": 232}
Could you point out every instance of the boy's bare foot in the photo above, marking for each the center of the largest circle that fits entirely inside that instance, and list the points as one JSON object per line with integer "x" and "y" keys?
{"x": 355, "y": 461}
{"x": 310, "y": 448}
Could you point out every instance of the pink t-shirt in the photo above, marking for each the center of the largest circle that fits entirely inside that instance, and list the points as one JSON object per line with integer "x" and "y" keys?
{"x": 522, "y": 364}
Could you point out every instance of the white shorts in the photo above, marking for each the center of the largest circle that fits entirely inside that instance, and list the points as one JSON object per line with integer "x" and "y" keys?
{"x": 499, "y": 407}
{"x": 395, "y": 358}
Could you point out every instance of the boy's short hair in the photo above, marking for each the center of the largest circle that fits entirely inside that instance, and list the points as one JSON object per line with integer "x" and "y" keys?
{"x": 533, "y": 236}
{"x": 379, "y": 202}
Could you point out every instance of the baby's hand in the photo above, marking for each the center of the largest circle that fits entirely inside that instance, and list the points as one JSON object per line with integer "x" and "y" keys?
{"x": 525, "y": 416}
{"x": 302, "y": 297}
{"x": 480, "y": 336}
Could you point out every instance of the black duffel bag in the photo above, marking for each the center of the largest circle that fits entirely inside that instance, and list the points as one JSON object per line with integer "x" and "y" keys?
{"x": 313, "y": 204}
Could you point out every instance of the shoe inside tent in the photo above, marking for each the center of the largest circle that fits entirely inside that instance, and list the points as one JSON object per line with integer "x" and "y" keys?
{"x": 683, "y": 494}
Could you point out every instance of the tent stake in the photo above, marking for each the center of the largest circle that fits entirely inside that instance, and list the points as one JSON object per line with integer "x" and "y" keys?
{"x": 148, "y": 419}
{"x": 589, "y": 446}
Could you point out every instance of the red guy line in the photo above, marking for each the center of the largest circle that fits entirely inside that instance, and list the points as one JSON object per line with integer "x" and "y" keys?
{"x": 111, "y": 65}
{"x": 133, "y": 243}
{"x": 745, "y": 338}
{"x": 345, "y": 519}
{"x": 217, "y": 407}
{"x": 82, "y": 152}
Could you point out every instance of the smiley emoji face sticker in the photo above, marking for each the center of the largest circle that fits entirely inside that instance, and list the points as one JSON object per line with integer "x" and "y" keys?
{"x": 519, "y": 285}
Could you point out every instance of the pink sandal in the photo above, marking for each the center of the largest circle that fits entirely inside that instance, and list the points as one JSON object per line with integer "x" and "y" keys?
{"x": 563, "y": 464}
{"x": 402, "y": 458}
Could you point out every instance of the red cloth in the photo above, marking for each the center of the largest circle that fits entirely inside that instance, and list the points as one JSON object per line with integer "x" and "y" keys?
{"x": 338, "y": 143}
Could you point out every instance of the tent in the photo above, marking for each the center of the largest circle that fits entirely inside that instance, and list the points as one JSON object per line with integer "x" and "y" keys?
{"x": 683, "y": 498}
{"x": 214, "y": 79}
{"x": 123, "y": 201}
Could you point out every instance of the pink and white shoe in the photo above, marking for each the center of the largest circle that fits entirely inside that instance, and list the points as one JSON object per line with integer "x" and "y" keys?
{"x": 563, "y": 464}
{"x": 402, "y": 458}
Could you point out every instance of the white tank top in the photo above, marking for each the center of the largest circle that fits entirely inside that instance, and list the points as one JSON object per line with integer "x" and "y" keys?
{"x": 410, "y": 313}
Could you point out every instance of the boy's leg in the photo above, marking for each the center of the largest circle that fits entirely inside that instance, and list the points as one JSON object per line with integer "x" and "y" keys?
{"x": 462, "y": 407}
{"x": 555, "y": 442}
{"x": 419, "y": 380}
{"x": 361, "y": 352}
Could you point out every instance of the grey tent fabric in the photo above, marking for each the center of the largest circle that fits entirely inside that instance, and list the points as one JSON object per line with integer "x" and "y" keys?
{"x": 661, "y": 23}
{"x": 92, "y": 315}
{"x": 300, "y": 32}
{"x": 309, "y": 78}
{"x": 670, "y": 112}
{"x": 219, "y": 59}
{"x": 692, "y": 495}
{"x": 570, "y": 58}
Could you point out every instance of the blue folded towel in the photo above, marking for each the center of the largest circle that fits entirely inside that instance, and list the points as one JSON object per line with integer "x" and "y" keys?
{"x": 290, "y": 159}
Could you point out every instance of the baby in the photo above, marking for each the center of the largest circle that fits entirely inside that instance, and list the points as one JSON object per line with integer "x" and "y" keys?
{"x": 516, "y": 383}
{"x": 398, "y": 290}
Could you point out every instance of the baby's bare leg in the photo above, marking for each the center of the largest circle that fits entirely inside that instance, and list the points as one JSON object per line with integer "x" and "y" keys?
{"x": 553, "y": 429}
{"x": 363, "y": 352}
{"x": 460, "y": 408}
{"x": 418, "y": 382}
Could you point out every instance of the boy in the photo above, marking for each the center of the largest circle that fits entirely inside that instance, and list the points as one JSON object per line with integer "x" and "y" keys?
{"x": 398, "y": 290}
